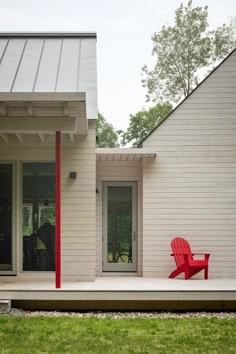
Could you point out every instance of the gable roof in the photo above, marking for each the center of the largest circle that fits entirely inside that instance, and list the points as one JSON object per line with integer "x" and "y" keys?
{"x": 50, "y": 62}
{"x": 158, "y": 125}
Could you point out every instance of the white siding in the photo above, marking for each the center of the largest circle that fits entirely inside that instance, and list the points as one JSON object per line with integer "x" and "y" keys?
{"x": 78, "y": 200}
{"x": 118, "y": 171}
{"x": 190, "y": 188}
{"x": 79, "y": 208}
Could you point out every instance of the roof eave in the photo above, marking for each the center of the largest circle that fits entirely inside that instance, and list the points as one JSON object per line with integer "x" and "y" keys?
{"x": 43, "y": 96}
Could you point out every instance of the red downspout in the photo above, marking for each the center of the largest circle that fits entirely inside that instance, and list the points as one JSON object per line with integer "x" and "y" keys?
{"x": 58, "y": 210}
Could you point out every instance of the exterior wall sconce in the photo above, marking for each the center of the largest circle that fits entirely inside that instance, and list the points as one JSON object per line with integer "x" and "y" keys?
{"x": 46, "y": 202}
{"x": 72, "y": 175}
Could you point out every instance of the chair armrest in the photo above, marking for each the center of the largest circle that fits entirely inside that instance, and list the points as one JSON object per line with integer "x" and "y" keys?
{"x": 207, "y": 255}
{"x": 179, "y": 254}
{"x": 185, "y": 255}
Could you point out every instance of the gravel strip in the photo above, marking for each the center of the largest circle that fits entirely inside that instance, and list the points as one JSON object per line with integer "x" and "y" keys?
{"x": 120, "y": 315}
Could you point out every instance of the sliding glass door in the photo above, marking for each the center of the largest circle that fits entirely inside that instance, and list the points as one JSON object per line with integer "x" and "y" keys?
{"x": 6, "y": 202}
{"x": 38, "y": 216}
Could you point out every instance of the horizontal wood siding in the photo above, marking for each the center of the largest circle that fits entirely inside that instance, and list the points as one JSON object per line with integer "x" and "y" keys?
{"x": 78, "y": 200}
{"x": 190, "y": 188}
{"x": 108, "y": 171}
{"x": 79, "y": 208}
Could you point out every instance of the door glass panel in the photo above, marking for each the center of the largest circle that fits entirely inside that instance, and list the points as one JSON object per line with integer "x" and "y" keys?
{"x": 5, "y": 217}
{"x": 119, "y": 224}
{"x": 38, "y": 217}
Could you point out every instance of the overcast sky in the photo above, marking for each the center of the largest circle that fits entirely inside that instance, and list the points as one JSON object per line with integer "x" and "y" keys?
{"x": 124, "y": 29}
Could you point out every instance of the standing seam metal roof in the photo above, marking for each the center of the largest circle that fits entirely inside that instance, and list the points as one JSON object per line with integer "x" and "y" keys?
{"x": 50, "y": 62}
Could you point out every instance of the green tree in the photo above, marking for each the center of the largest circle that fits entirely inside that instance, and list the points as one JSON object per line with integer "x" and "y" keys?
{"x": 224, "y": 39}
{"x": 106, "y": 135}
{"x": 143, "y": 122}
{"x": 182, "y": 50}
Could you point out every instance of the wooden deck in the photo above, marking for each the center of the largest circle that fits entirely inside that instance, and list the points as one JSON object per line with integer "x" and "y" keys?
{"x": 123, "y": 293}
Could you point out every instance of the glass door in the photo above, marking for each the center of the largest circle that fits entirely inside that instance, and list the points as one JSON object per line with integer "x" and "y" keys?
{"x": 6, "y": 197}
{"x": 38, "y": 216}
{"x": 119, "y": 226}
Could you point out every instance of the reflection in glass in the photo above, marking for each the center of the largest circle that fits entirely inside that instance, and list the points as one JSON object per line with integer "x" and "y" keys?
{"x": 38, "y": 216}
{"x": 5, "y": 217}
{"x": 119, "y": 245}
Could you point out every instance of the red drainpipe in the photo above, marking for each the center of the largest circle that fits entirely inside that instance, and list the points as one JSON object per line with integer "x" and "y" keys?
{"x": 58, "y": 210}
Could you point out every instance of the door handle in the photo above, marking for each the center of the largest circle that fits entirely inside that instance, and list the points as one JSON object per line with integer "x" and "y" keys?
{"x": 134, "y": 235}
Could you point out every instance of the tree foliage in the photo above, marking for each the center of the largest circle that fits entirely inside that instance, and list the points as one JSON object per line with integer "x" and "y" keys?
{"x": 143, "y": 122}
{"x": 182, "y": 50}
{"x": 224, "y": 39}
{"x": 106, "y": 135}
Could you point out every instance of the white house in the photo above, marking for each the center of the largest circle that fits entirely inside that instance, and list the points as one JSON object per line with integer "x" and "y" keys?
{"x": 115, "y": 211}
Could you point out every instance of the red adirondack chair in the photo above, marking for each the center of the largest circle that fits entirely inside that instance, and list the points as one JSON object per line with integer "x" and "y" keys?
{"x": 184, "y": 259}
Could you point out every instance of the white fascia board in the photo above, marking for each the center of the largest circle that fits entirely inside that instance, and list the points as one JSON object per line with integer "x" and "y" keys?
{"x": 37, "y": 125}
{"x": 129, "y": 151}
{"x": 42, "y": 96}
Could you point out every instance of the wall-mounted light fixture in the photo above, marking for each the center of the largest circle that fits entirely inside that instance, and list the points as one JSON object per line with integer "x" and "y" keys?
{"x": 46, "y": 202}
{"x": 72, "y": 175}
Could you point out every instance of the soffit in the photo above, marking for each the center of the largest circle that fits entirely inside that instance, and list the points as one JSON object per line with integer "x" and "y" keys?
{"x": 124, "y": 154}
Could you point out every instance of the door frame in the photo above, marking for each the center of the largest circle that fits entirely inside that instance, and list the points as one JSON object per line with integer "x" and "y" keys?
{"x": 13, "y": 219}
{"x": 119, "y": 267}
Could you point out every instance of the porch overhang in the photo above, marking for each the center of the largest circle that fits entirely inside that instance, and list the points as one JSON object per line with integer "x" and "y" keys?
{"x": 124, "y": 154}
{"x": 23, "y": 114}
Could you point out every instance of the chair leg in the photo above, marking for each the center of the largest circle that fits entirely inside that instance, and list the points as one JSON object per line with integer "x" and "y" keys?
{"x": 186, "y": 272}
{"x": 206, "y": 273}
{"x": 176, "y": 272}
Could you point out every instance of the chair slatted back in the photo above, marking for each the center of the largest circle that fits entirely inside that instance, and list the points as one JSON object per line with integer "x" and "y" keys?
{"x": 180, "y": 247}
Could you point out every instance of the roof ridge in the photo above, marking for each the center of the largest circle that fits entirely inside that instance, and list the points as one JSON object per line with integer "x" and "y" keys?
{"x": 48, "y": 34}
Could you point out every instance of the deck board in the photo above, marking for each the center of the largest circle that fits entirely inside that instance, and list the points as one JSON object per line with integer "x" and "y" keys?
{"x": 122, "y": 284}
{"x": 132, "y": 293}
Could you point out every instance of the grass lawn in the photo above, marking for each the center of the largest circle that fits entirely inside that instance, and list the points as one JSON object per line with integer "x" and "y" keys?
{"x": 93, "y": 335}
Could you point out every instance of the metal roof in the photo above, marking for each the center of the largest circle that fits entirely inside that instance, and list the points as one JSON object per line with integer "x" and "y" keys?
{"x": 50, "y": 62}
